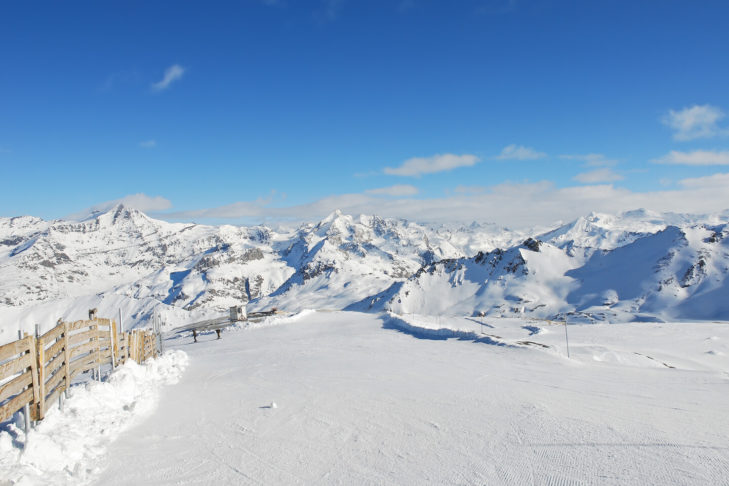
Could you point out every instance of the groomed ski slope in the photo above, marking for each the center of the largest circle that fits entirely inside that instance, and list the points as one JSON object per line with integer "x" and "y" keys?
{"x": 350, "y": 398}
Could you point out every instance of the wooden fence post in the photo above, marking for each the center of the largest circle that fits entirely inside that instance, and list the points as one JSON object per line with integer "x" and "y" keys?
{"x": 114, "y": 344}
{"x": 133, "y": 345}
{"x": 97, "y": 347}
{"x": 34, "y": 370}
{"x": 41, "y": 359}
{"x": 66, "y": 357}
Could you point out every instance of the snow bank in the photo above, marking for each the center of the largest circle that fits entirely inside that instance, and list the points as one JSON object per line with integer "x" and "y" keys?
{"x": 276, "y": 320}
{"x": 425, "y": 328}
{"x": 65, "y": 447}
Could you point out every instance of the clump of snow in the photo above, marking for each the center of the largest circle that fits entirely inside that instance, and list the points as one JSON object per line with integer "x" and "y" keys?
{"x": 65, "y": 447}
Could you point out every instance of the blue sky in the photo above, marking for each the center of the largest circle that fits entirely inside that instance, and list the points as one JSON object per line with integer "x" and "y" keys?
{"x": 258, "y": 110}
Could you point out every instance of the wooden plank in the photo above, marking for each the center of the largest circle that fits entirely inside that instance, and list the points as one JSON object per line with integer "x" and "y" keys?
{"x": 54, "y": 364}
{"x": 115, "y": 340}
{"x": 66, "y": 355}
{"x": 35, "y": 391}
{"x": 12, "y": 367}
{"x": 129, "y": 349}
{"x": 95, "y": 327}
{"x": 41, "y": 370}
{"x": 16, "y": 385}
{"x": 81, "y": 365}
{"x": 73, "y": 326}
{"x": 142, "y": 336}
{"x": 80, "y": 337}
{"x": 12, "y": 350}
{"x": 7, "y": 410}
{"x": 55, "y": 349}
{"x": 83, "y": 349}
{"x": 103, "y": 334}
{"x": 82, "y": 358}
{"x": 89, "y": 365}
{"x": 104, "y": 325}
{"x": 132, "y": 346}
{"x": 54, "y": 381}
{"x": 53, "y": 398}
{"x": 53, "y": 334}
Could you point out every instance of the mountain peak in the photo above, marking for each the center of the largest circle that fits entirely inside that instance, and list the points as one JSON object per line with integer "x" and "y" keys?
{"x": 120, "y": 214}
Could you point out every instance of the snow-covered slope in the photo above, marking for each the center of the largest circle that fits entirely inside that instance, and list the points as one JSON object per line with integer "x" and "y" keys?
{"x": 637, "y": 264}
{"x": 590, "y": 270}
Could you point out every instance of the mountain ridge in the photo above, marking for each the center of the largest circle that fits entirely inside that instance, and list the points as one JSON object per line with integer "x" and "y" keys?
{"x": 371, "y": 263}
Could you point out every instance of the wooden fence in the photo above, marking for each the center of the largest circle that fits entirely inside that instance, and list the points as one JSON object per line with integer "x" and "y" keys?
{"x": 35, "y": 370}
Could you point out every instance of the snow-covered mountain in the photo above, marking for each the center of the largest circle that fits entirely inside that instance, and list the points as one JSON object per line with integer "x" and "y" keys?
{"x": 124, "y": 259}
{"x": 637, "y": 264}
{"x": 599, "y": 268}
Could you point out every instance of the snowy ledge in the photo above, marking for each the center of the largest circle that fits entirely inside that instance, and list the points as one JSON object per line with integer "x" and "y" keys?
{"x": 65, "y": 446}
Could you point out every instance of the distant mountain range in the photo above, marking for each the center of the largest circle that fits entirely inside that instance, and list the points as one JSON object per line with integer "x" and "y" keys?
{"x": 635, "y": 265}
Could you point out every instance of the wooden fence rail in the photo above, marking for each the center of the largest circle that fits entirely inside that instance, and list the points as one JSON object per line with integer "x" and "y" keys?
{"x": 35, "y": 370}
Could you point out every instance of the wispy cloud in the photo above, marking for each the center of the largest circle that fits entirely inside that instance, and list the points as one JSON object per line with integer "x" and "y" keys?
{"x": 418, "y": 166}
{"x": 519, "y": 152}
{"x": 120, "y": 78}
{"x": 513, "y": 205}
{"x": 461, "y": 189}
{"x": 138, "y": 201}
{"x": 397, "y": 190}
{"x": 591, "y": 160}
{"x": 697, "y": 121}
{"x": 172, "y": 74}
{"x": 597, "y": 176}
{"x": 148, "y": 143}
{"x": 697, "y": 157}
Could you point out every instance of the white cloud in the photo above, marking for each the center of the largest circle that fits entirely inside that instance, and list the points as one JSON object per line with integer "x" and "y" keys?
{"x": 597, "y": 176}
{"x": 698, "y": 121}
{"x": 418, "y": 166}
{"x": 139, "y": 201}
{"x": 591, "y": 160}
{"x": 515, "y": 205}
{"x": 697, "y": 157}
{"x": 172, "y": 74}
{"x": 461, "y": 189}
{"x": 148, "y": 143}
{"x": 519, "y": 152}
{"x": 398, "y": 190}
{"x": 716, "y": 181}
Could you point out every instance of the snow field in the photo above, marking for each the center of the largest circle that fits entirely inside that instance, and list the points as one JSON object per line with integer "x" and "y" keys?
{"x": 365, "y": 399}
{"x": 69, "y": 447}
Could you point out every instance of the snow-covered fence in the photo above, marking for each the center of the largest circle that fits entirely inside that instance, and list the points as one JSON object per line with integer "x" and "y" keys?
{"x": 36, "y": 370}
{"x": 18, "y": 376}
{"x": 142, "y": 345}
